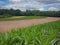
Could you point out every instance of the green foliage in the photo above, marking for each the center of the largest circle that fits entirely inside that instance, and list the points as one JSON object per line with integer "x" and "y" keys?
{"x": 6, "y": 16}
{"x": 34, "y": 35}
{"x": 29, "y": 13}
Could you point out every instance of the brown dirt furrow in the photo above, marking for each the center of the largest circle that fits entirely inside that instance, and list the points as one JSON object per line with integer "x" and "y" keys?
{"x": 9, "y": 25}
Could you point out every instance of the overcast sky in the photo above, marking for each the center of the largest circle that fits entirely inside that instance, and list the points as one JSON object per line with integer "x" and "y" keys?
{"x": 30, "y": 4}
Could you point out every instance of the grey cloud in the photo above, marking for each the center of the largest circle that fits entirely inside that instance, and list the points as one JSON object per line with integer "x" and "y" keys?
{"x": 48, "y": 1}
{"x": 56, "y": 5}
{"x": 33, "y": 4}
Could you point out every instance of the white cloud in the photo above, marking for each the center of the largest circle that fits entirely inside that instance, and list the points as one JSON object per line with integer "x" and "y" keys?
{"x": 32, "y": 4}
{"x": 24, "y": 5}
{"x": 42, "y": 9}
{"x": 53, "y": 9}
{"x": 14, "y": 0}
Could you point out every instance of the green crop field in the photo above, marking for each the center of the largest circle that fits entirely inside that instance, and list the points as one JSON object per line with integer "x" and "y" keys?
{"x": 44, "y": 34}
{"x": 23, "y": 18}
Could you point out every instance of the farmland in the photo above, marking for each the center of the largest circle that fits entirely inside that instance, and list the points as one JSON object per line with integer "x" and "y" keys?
{"x": 43, "y": 34}
{"x": 29, "y": 22}
{"x": 9, "y": 25}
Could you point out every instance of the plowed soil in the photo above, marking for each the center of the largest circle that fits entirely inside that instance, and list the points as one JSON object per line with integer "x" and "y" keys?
{"x": 9, "y": 25}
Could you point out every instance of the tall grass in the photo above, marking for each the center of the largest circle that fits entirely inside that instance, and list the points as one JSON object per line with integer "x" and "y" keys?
{"x": 34, "y": 35}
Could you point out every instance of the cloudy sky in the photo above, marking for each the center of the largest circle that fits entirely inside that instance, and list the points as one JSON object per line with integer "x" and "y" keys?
{"x": 30, "y": 4}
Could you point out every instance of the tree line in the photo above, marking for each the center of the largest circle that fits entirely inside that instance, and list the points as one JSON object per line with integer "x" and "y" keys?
{"x": 12, "y": 12}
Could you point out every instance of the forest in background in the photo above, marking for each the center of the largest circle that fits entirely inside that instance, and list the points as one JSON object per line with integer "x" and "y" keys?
{"x": 12, "y": 12}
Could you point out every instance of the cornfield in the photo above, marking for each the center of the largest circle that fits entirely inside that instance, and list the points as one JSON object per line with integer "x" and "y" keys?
{"x": 43, "y": 34}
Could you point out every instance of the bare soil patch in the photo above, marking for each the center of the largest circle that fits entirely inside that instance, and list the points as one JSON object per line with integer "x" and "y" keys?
{"x": 9, "y": 25}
